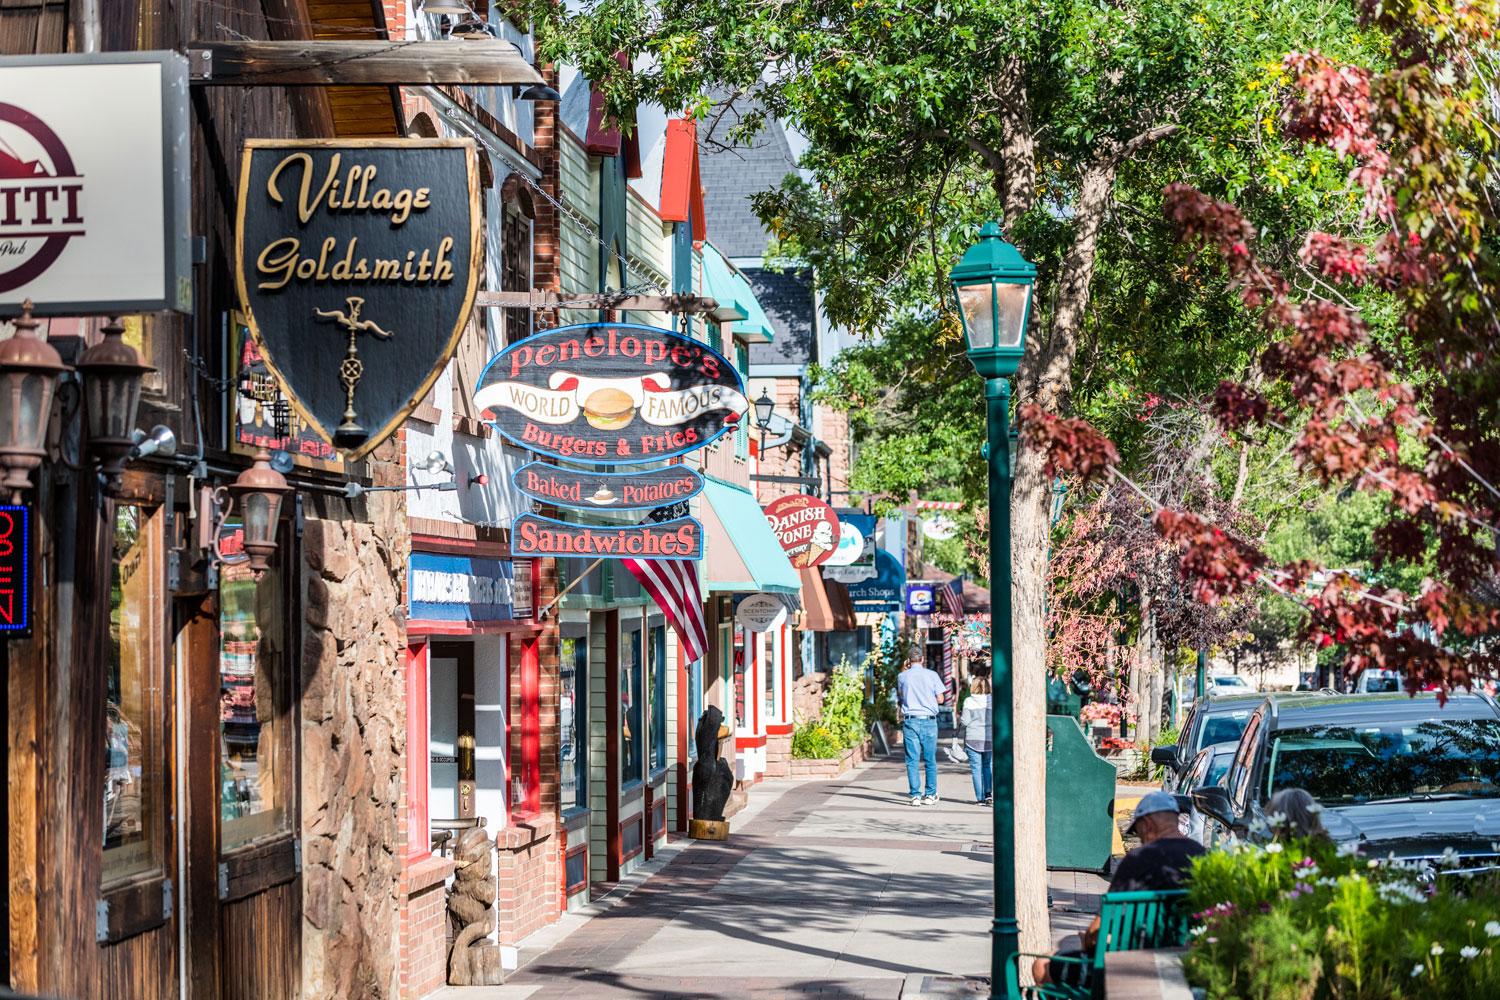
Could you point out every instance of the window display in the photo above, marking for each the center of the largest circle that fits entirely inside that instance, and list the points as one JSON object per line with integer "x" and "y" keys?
{"x": 630, "y": 704}
{"x": 573, "y": 717}
{"x": 658, "y": 660}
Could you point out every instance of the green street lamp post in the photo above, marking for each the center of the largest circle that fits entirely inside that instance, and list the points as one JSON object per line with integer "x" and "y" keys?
{"x": 993, "y": 283}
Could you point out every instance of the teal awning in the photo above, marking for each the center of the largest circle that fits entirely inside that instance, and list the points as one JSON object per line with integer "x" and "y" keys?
{"x": 728, "y": 287}
{"x": 743, "y": 552}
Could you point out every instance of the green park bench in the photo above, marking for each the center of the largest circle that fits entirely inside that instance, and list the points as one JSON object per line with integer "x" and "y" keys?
{"x": 1128, "y": 921}
{"x": 1080, "y": 800}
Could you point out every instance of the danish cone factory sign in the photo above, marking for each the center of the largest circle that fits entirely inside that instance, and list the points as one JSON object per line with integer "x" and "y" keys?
{"x": 95, "y": 175}
{"x": 585, "y": 490}
{"x": 807, "y": 528}
{"x": 611, "y": 394}
{"x": 534, "y": 535}
{"x": 357, "y": 262}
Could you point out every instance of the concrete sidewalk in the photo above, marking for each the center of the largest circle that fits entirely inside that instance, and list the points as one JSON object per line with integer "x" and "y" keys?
{"x": 832, "y": 889}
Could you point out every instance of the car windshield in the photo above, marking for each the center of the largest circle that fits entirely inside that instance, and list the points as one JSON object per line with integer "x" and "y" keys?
{"x": 1382, "y": 683}
{"x": 1394, "y": 760}
{"x": 1217, "y": 768}
{"x": 1231, "y": 682}
{"x": 1227, "y": 728}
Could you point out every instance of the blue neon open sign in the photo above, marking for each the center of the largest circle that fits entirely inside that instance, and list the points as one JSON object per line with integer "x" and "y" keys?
{"x": 16, "y": 568}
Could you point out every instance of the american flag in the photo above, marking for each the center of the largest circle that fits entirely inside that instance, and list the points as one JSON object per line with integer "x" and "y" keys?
{"x": 673, "y": 585}
{"x": 953, "y": 597}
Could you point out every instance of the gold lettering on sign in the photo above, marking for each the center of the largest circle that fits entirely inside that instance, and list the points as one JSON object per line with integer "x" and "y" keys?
{"x": 282, "y": 260}
{"x": 352, "y": 193}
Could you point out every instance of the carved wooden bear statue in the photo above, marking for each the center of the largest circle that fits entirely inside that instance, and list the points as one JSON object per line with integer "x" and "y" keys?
{"x": 712, "y": 779}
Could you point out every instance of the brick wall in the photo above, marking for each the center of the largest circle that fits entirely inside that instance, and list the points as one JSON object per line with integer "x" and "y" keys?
{"x": 424, "y": 927}
{"x": 529, "y": 876}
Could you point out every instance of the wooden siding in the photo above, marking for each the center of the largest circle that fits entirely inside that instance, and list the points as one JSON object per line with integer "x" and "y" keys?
{"x": 261, "y": 941}
{"x": 599, "y": 756}
{"x": 650, "y": 241}
{"x": 579, "y": 248}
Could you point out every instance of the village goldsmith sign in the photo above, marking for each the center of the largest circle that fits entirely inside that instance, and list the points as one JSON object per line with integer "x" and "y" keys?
{"x": 585, "y": 490}
{"x": 678, "y": 538}
{"x": 611, "y": 394}
{"x": 357, "y": 265}
{"x": 95, "y": 174}
{"x": 807, "y": 528}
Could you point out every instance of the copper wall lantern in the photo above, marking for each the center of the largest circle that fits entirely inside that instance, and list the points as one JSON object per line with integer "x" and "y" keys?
{"x": 258, "y": 493}
{"x": 112, "y": 372}
{"x": 29, "y": 367}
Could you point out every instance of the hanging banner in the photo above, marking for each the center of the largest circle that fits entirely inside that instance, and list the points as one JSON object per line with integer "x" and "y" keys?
{"x": 611, "y": 394}
{"x": 856, "y": 543}
{"x": 95, "y": 211}
{"x": 534, "y": 535}
{"x": 357, "y": 263}
{"x": 584, "y": 490}
{"x": 807, "y": 528}
{"x": 884, "y": 591}
{"x": 921, "y": 597}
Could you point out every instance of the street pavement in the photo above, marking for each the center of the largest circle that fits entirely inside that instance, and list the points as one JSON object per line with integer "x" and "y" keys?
{"x": 828, "y": 889}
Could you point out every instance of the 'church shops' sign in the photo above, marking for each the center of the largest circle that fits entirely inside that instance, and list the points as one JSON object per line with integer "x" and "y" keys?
{"x": 357, "y": 265}
{"x": 586, "y": 490}
{"x": 611, "y": 394}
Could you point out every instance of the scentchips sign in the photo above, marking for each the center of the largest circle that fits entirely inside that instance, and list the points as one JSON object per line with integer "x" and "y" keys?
{"x": 587, "y": 490}
{"x": 357, "y": 266}
{"x": 611, "y": 394}
{"x": 94, "y": 191}
{"x": 807, "y": 528}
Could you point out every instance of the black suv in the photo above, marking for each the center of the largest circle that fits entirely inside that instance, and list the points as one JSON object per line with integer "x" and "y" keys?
{"x": 1395, "y": 774}
{"x": 1214, "y": 719}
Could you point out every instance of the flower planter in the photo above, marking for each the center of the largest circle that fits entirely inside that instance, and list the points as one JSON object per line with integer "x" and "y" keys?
{"x": 823, "y": 768}
{"x": 1125, "y": 761}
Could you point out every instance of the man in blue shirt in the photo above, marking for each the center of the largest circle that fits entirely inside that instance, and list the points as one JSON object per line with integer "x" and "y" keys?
{"x": 920, "y": 693}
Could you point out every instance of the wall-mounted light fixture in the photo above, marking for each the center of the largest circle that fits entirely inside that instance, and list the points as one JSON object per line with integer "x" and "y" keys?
{"x": 111, "y": 372}
{"x": 258, "y": 492}
{"x": 29, "y": 368}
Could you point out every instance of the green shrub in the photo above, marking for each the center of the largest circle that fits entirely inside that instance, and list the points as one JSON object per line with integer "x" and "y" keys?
{"x": 842, "y": 723}
{"x": 1306, "y": 921}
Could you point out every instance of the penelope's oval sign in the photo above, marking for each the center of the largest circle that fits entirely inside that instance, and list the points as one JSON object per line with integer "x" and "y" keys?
{"x": 611, "y": 393}
{"x": 357, "y": 266}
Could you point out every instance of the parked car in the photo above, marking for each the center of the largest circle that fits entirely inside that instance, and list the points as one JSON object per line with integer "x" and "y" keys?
{"x": 1395, "y": 774}
{"x": 1221, "y": 718}
{"x": 1229, "y": 684}
{"x": 1376, "y": 681}
{"x": 1207, "y": 769}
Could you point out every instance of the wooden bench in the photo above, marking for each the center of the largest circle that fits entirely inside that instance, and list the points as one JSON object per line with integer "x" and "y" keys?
{"x": 1127, "y": 921}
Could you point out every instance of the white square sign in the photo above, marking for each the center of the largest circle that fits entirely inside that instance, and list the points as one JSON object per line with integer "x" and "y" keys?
{"x": 94, "y": 171}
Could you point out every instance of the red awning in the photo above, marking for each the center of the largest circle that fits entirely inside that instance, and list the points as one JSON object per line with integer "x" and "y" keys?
{"x": 817, "y": 613}
{"x": 843, "y": 608}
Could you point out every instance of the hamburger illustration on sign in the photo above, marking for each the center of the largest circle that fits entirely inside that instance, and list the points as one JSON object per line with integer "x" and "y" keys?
{"x": 807, "y": 528}
{"x": 611, "y": 394}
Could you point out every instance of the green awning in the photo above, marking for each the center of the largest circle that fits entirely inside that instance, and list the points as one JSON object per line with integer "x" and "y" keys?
{"x": 728, "y": 287}
{"x": 743, "y": 552}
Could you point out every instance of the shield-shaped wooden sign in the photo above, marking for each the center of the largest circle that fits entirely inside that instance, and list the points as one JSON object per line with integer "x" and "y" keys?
{"x": 357, "y": 263}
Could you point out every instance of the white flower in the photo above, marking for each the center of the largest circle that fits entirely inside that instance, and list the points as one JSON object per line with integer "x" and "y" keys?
{"x": 1199, "y": 931}
{"x": 1468, "y": 951}
{"x": 1449, "y": 858}
{"x": 1437, "y": 949}
{"x": 1492, "y": 929}
{"x": 1417, "y": 970}
{"x": 1273, "y": 848}
{"x": 1348, "y": 849}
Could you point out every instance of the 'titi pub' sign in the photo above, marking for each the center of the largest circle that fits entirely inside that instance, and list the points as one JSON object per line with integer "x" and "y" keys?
{"x": 357, "y": 264}
{"x": 611, "y": 394}
{"x": 585, "y": 490}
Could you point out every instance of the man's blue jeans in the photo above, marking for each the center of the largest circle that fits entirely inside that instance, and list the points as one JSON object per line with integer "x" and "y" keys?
{"x": 920, "y": 738}
{"x": 981, "y": 769}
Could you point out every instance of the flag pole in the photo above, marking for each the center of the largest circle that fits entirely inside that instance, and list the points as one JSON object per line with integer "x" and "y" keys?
{"x": 573, "y": 583}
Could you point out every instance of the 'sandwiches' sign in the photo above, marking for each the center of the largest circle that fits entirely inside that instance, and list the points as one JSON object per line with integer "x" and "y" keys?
{"x": 680, "y": 538}
{"x": 585, "y": 490}
{"x": 611, "y": 393}
{"x": 357, "y": 265}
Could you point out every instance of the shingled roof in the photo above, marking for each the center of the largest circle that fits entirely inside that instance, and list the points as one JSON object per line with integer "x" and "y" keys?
{"x": 731, "y": 177}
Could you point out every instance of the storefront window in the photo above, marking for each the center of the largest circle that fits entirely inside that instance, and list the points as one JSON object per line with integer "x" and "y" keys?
{"x": 695, "y": 704}
{"x": 658, "y": 660}
{"x": 573, "y": 714}
{"x": 132, "y": 750}
{"x": 630, "y": 704}
{"x": 741, "y": 663}
{"x": 768, "y": 670}
{"x": 252, "y": 767}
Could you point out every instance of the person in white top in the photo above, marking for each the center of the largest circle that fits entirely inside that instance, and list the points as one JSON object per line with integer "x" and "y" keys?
{"x": 975, "y": 724}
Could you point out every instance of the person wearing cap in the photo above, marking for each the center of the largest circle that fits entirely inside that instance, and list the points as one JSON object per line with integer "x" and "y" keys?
{"x": 920, "y": 693}
{"x": 1162, "y": 862}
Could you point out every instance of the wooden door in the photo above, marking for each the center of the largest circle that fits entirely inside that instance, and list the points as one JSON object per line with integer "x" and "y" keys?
{"x": 243, "y": 850}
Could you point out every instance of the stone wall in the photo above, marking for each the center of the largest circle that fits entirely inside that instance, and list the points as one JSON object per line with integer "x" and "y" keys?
{"x": 353, "y": 739}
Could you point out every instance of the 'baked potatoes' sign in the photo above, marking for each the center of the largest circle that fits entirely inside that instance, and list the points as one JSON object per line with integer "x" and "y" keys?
{"x": 357, "y": 264}
{"x": 611, "y": 393}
